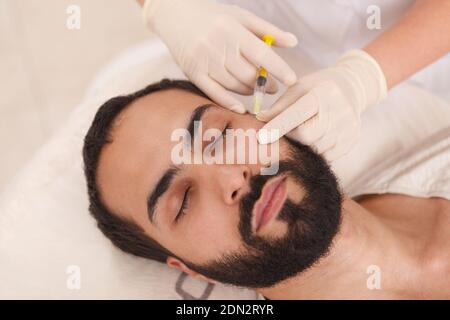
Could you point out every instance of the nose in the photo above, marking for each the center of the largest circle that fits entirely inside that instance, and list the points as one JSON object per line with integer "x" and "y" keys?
{"x": 234, "y": 182}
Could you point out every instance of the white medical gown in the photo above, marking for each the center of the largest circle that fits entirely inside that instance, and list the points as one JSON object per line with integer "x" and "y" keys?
{"x": 328, "y": 28}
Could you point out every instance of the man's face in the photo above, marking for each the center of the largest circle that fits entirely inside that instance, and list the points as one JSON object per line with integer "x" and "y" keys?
{"x": 205, "y": 213}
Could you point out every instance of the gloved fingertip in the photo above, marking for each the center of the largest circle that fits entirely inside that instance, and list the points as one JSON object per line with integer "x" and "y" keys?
{"x": 262, "y": 115}
{"x": 263, "y": 136}
{"x": 290, "y": 79}
{"x": 292, "y": 39}
{"x": 239, "y": 108}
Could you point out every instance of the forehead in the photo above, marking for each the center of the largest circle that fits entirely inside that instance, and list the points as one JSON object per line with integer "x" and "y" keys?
{"x": 140, "y": 149}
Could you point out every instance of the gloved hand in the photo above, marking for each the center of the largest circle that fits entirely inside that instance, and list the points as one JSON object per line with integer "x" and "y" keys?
{"x": 323, "y": 109}
{"x": 219, "y": 46}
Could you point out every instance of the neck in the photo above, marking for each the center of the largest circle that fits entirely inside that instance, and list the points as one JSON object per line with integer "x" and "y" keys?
{"x": 362, "y": 241}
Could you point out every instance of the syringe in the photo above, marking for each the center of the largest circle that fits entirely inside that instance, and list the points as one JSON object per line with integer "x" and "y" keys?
{"x": 261, "y": 80}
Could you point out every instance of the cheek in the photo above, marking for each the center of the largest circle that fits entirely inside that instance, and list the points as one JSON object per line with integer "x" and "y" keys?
{"x": 212, "y": 232}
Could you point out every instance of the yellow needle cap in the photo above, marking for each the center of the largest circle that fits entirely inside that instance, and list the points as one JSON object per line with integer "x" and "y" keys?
{"x": 268, "y": 39}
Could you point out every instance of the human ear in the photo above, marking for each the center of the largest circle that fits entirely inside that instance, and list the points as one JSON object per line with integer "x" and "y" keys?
{"x": 178, "y": 264}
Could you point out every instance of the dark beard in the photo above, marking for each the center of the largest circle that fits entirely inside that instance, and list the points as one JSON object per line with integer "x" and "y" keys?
{"x": 312, "y": 225}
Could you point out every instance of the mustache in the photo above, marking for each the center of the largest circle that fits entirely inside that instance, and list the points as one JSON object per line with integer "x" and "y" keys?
{"x": 248, "y": 201}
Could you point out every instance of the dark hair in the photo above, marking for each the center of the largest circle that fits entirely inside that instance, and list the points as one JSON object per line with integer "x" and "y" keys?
{"x": 126, "y": 235}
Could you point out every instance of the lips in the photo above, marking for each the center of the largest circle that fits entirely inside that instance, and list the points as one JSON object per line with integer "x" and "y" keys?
{"x": 269, "y": 203}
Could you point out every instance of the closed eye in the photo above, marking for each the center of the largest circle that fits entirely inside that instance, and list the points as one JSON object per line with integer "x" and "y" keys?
{"x": 184, "y": 205}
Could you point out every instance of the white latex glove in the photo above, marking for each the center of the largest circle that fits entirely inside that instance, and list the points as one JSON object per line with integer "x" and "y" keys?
{"x": 323, "y": 109}
{"x": 219, "y": 46}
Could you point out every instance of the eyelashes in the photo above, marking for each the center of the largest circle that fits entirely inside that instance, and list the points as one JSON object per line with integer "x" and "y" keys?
{"x": 184, "y": 205}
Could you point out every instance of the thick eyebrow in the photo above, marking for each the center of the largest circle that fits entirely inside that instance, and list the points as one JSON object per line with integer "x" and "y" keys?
{"x": 161, "y": 187}
{"x": 197, "y": 115}
{"x": 165, "y": 181}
